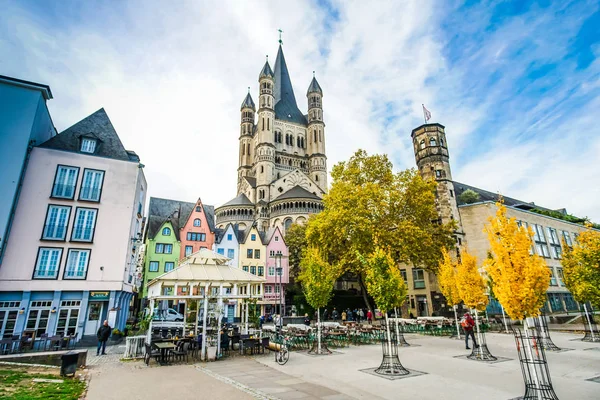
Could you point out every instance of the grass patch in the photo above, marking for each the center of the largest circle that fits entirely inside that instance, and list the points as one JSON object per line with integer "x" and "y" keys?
{"x": 17, "y": 384}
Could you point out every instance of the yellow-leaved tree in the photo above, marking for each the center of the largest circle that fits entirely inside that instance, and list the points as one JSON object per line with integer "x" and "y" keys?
{"x": 386, "y": 285}
{"x": 520, "y": 277}
{"x": 317, "y": 277}
{"x": 472, "y": 288}
{"x": 581, "y": 267}
{"x": 448, "y": 286}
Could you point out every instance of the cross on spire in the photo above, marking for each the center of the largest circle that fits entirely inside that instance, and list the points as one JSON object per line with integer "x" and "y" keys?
{"x": 280, "y": 32}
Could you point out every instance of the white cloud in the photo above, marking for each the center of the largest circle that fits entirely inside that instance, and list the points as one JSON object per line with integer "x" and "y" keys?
{"x": 172, "y": 77}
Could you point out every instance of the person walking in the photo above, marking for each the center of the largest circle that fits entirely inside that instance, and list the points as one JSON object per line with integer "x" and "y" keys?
{"x": 103, "y": 334}
{"x": 467, "y": 324}
{"x": 334, "y": 314}
{"x": 344, "y": 317}
{"x": 369, "y": 317}
{"x": 360, "y": 314}
{"x": 325, "y": 315}
{"x": 306, "y": 320}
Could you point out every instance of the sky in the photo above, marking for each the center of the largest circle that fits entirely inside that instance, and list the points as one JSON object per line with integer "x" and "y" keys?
{"x": 515, "y": 83}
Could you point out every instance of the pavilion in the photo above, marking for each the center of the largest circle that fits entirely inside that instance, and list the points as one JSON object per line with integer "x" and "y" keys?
{"x": 205, "y": 276}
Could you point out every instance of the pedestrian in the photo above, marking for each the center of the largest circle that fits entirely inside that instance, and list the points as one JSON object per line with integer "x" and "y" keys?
{"x": 334, "y": 314}
{"x": 344, "y": 316}
{"x": 103, "y": 335}
{"x": 361, "y": 315}
{"x": 350, "y": 316}
{"x": 306, "y": 320}
{"x": 325, "y": 315}
{"x": 467, "y": 324}
{"x": 369, "y": 317}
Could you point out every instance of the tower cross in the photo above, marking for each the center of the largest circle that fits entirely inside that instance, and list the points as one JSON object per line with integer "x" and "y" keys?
{"x": 280, "y": 32}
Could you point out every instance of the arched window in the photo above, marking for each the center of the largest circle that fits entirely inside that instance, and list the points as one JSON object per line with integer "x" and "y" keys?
{"x": 320, "y": 136}
{"x": 249, "y": 149}
{"x": 315, "y": 136}
{"x": 316, "y": 178}
{"x": 441, "y": 142}
{"x": 291, "y": 140}
{"x": 268, "y": 121}
{"x": 166, "y": 232}
{"x": 432, "y": 141}
{"x": 287, "y": 224}
{"x": 263, "y": 123}
{"x": 262, "y": 169}
{"x": 423, "y": 143}
{"x": 197, "y": 222}
{"x": 243, "y": 149}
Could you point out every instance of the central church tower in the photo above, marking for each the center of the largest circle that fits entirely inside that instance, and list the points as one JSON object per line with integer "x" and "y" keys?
{"x": 282, "y": 167}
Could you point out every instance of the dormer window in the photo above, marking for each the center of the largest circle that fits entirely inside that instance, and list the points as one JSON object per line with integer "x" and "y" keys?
{"x": 88, "y": 145}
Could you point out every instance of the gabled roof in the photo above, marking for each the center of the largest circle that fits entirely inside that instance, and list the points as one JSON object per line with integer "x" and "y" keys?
{"x": 161, "y": 210}
{"x": 272, "y": 233}
{"x": 209, "y": 211}
{"x": 220, "y": 233}
{"x": 262, "y": 235}
{"x": 286, "y": 108}
{"x": 248, "y": 103}
{"x": 314, "y": 87}
{"x": 297, "y": 192}
{"x": 96, "y": 125}
{"x": 240, "y": 200}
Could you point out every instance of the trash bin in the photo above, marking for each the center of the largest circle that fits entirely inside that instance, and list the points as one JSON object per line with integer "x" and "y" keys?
{"x": 68, "y": 364}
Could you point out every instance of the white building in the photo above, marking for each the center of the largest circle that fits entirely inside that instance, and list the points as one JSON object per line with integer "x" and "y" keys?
{"x": 71, "y": 260}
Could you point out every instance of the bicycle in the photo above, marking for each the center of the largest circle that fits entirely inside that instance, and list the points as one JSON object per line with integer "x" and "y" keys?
{"x": 282, "y": 355}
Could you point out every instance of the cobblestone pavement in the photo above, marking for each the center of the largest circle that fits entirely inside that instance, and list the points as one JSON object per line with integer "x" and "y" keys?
{"x": 113, "y": 355}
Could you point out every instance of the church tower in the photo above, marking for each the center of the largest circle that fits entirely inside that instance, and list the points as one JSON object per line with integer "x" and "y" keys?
{"x": 246, "y": 132}
{"x": 316, "y": 135}
{"x": 433, "y": 161}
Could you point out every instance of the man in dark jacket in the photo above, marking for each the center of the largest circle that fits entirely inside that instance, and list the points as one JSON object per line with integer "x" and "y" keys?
{"x": 468, "y": 323}
{"x": 103, "y": 335}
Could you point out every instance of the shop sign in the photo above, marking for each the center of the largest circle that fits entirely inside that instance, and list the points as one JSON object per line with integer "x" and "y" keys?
{"x": 99, "y": 295}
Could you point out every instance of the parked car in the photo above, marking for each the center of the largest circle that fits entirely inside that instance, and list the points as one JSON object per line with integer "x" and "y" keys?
{"x": 167, "y": 315}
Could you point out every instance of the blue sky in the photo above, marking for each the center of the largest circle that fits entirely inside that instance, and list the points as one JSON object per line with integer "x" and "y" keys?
{"x": 516, "y": 83}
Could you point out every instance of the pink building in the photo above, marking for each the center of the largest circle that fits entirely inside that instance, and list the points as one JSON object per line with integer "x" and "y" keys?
{"x": 272, "y": 296}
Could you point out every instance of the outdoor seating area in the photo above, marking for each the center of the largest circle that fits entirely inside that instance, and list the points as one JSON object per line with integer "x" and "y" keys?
{"x": 28, "y": 343}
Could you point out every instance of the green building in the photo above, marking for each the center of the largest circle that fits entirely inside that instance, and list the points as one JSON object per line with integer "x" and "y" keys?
{"x": 163, "y": 245}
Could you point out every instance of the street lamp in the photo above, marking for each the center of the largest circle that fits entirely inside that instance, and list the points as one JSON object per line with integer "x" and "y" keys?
{"x": 279, "y": 273}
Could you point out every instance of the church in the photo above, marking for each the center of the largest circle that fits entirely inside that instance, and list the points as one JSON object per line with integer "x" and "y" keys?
{"x": 282, "y": 167}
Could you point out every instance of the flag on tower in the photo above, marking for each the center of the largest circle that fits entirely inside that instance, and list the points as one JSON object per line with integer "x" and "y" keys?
{"x": 426, "y": 113}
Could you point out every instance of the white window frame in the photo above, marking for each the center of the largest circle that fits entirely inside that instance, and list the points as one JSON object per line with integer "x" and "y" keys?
{"x": 65, "y": 182}
{"x": 150, "y": 269}
{"x": 268, "y": 289}
{"x": 93, "y": 180}
{"x": 89, "y": 223}
{"x": 76, "y": 267}
{"x": 171, "y": 263}
{"x": 189, "y": 250}
{"x": 88, "y": 145}
{"x": 230, "y": 253}
{"x": 197, "y": 222}
{"x": 53, "y": 253}
{"x": 61, "y": 216}
{"x": 271, "y": 270}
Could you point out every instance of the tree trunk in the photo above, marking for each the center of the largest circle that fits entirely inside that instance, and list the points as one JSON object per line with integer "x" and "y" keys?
{"x": 527, "y": 348}
{"x": 589, "y": 320}
{"x": 456, "y": 321}
{"x": 389, "y": 338}
{"x": 397, "y": 329}
{"x": 363, "y": 289}
{"x": 504, "y": 318}
{"x": 318, "y": 331}
{"x": 478, "y": 332}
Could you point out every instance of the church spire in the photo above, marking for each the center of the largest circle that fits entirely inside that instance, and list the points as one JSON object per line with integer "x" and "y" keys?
{"x": 266, "y": 71}
{"x": 286, "y": 107}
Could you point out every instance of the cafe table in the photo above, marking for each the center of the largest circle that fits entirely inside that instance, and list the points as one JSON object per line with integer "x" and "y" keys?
{"x": 164, "y": 347}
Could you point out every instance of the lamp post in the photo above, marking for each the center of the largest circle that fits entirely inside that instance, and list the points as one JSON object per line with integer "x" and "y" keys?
{"x": 279, "y": 273}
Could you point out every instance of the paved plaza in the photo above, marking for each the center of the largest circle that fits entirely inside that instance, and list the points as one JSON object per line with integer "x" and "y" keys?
{"x": 339, "y": 376}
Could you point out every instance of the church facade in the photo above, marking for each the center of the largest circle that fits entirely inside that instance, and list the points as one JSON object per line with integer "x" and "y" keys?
{"x": 282, "y": 165}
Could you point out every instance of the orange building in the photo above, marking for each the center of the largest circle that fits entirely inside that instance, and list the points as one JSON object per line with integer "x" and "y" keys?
{"x": 198, "y": 231}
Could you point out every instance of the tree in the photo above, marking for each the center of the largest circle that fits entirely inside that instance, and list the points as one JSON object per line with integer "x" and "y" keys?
{"x": 581, "y": 267}
{"x": 448, "y": 285}
{"x": 471, "y": 286}
{"x": 368, "y": 203}
{"x": 469, "y": 197}
{"x": 520, "y": 277}
{"x": 385, "y": 284}
{"x": 317, "y": 277}
{"x": 295, "y": 239}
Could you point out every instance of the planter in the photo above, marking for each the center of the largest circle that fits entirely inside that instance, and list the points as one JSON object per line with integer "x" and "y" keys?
{"x": 211, "y": 353}
{"x": 390, "y": 363}
{"x": 591, "y": 329}
{"x": 541, "y": 326}
{"x": 534, "y": 366}
{"x": 481, "y": 351}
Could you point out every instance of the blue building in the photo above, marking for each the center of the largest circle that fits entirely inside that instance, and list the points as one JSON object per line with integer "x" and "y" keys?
{"x": 24, "y": 122}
